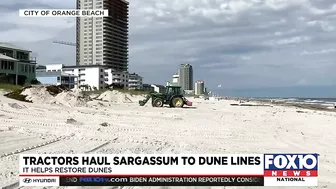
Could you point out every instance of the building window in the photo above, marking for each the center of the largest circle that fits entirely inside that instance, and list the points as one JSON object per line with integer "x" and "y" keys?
{"x": 58, "y": 78}
{"x": 6, "y": 65}
{"x": 11, "y": 65}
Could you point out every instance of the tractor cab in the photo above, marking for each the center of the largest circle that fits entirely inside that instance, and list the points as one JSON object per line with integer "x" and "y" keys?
{"x": 172, "y": 91}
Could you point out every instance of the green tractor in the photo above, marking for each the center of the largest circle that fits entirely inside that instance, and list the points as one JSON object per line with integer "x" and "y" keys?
{"x": 173, "y": 97}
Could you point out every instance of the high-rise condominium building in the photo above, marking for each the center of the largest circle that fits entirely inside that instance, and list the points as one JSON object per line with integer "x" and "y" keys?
{"x": 103, "y": 41}
{"x": 199, "y": 87}
{"x": 186, "y": 77}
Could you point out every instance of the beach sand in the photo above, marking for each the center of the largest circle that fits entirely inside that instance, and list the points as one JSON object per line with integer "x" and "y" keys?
{"x": 209, "y": 127}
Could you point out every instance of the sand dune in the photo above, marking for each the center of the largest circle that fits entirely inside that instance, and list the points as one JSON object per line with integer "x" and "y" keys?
{"x": 212, "y": 127}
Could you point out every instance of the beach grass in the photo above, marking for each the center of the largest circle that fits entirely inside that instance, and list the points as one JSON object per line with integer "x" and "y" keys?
{"x": 132, "y": 92}
{"x": 10, "y": 87}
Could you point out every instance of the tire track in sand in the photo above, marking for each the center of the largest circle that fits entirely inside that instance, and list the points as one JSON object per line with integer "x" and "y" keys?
{"x": 92, "y": 148}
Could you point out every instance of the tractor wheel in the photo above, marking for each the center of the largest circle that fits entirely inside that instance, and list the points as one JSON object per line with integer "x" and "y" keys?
{"x": 158, "y": 102}
{"x": 177, "y": 102}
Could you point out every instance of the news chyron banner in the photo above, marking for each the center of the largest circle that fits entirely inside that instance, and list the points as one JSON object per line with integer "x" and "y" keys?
{"x": 168, "y": 170}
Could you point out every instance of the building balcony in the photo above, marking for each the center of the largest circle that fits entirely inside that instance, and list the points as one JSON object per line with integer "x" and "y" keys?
{"x": 68, "y": 82}
{"x": 116, "y": 81}
{"x": 133, "y": 84}
{"x": 27, "y": 61}
{"x": 116, "y": 77}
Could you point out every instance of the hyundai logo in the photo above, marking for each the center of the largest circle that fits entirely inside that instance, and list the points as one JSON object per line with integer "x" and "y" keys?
{"x": 27, "y": 180}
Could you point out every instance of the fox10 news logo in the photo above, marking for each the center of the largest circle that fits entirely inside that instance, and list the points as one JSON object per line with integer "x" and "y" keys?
{"x": 291, "y": 167}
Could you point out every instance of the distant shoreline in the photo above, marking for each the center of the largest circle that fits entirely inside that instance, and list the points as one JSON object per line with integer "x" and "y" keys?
{"x": 292, "y": 104}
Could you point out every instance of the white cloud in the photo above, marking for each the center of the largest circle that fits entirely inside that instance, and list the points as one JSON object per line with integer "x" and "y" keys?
{"x": 289, "y": 41}
{"x": 245, "y": 57}
{"x": 324, "y": 51}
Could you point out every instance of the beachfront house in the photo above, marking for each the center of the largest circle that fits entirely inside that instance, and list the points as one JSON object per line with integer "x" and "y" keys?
{"x": 17, "y": 65}
{"x": 135, "y": 82}
{"x": 57, "y": 78}
{"x": 88, "y": 77}
{"x": 147, "y": 87}
{"x": 159, "y": 88}
{"x": 117, "y": 79}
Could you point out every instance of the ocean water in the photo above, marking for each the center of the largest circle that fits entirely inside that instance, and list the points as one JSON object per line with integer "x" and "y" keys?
{"x": 324, "y": 102}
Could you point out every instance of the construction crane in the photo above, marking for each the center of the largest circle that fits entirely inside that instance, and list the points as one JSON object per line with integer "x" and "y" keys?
{"x": 65, "y": 43}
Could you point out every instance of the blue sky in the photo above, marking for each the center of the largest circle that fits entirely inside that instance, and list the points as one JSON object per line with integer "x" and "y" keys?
{"x": 244, "y": 45}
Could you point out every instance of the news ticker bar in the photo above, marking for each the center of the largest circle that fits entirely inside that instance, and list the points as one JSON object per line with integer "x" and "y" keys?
{"x": 163, "y": 181}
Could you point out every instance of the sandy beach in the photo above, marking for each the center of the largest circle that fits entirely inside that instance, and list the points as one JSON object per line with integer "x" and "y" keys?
{"x": 120, "y": 125}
